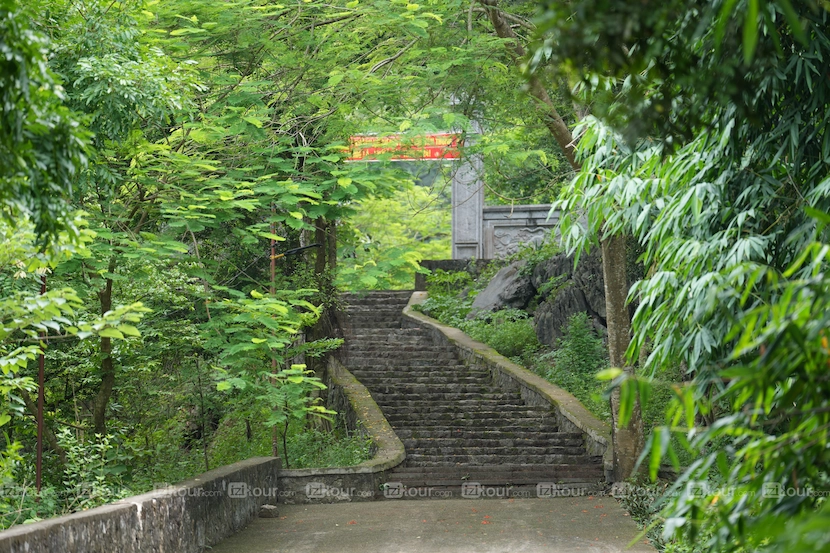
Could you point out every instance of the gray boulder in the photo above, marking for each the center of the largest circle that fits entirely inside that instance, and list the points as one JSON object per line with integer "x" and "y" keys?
{"x": 509, "y": 288}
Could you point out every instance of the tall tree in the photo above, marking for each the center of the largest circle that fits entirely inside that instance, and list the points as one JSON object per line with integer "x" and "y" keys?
{"x": 627, "y": 435}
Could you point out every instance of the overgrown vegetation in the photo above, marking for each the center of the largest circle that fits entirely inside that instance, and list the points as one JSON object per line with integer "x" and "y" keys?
{"x": 574, "y": 363}
{"x": 151, "y": 155}
{"x": 154, "y": 155}
{"x": 509, "y": 331}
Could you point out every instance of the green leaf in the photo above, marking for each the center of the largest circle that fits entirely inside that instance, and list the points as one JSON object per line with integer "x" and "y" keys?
{"x": 4, "y": 418}
{"x": 110, "y": 332}
{"x": 750, "y": 31}
{"x": 187, "y": 31}
{"x": 609, "y": 374}
{"x": 128, "y": 330}
{"x": 253, "y": 121}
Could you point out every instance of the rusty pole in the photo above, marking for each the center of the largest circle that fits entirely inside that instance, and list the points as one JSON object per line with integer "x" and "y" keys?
{"x": 41, "y": 392}
{"x": 275, "y": 437}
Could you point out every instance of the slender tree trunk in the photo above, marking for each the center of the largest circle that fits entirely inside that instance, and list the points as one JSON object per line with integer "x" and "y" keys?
{"x": 331, "y": 246}
{"x": 627, "y": 442}
{"x": 99, "y": 406}
{"x": 628, "y": 439}
{"x": 320, "y": 238}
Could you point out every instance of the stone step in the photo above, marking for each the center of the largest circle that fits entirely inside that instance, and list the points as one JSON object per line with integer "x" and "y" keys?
{"x": 385, "y": 304}
{"x": 357, "y": 326}
{"x": 496, "y": 452}
{"x": 409, "y": 379}
{"x": 446, "y": 369}
{"x": 372, "y": 316}
{"x": 378, "y": 379}
{"x": 488, "y": 434}
{"x": 485, "y": 411}
{"x": 481, "y": 421}
{"x": 393, "y": 399}
{"x": 406, "y": 390}
{"x": 496, "y": 474}
{"x": 402, "y": 331}
{"x": 389, "y": 350}
{"x": 416, "y": 409}
{"x": 394, "y": 359}
{"x": 387, "y": 347}
{"x": 393, "y": 336}
{"x": 369, "y": 310}
{"x": 530, "y": 442}
{"x": 456, "y": 424}
{"x": 361, "y": 324}
{"x": 441, "y": 460}
{"x": 396, "y": 377}
{"x": 403, "y": 386}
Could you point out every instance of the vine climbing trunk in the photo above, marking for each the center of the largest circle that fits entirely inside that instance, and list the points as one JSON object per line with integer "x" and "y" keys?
{"x": 627, "y": 441}
{"x": 99, "y": 406}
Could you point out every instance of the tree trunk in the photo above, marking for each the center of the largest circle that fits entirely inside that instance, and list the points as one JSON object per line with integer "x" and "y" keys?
{"x": 626, "y": 441}
{"x": 331, "y": 246}
{"x": 99, "y": 406}
{"x": 320, "y": 238}
{"x": 553, "y": 121}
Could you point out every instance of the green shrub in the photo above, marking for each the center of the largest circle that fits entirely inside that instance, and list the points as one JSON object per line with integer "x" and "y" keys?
{"x": 307, "y": 447}
{"x": 444, "y": 302}
{"x": 580, "y": 351}
{"x": 579, "y": 355}
{"x": 314, "y": 448}
{"x": 510, "y": 332}
{"x": 448, "y": 283}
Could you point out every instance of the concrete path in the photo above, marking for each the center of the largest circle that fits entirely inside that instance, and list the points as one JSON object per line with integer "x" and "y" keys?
{"x": 561, "y": 525}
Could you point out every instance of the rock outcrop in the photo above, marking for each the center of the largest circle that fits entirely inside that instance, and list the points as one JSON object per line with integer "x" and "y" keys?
{"x": 565, "y": 290}
{"x": 509, "y": 288}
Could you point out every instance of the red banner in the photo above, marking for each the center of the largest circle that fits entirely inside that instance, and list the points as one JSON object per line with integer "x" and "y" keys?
{"x": 395, "y": 147}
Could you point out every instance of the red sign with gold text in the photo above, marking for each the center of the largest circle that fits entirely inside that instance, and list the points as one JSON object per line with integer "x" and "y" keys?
{"x": 395, "y": 147}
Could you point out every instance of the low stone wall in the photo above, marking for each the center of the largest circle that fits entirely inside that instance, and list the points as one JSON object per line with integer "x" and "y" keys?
{"x": 360, "y": 482}
{"x": 572, "y": 416}
{"x": 188, "y": 517}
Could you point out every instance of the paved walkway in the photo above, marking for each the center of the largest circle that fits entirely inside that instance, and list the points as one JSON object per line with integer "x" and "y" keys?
{"x": 561, "y": 525}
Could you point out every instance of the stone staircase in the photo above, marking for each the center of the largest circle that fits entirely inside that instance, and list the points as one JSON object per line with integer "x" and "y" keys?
{"x": 457, "y": 426}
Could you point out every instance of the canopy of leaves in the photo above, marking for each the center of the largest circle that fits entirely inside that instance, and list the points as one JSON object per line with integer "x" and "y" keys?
{"x": 42, "y": 147}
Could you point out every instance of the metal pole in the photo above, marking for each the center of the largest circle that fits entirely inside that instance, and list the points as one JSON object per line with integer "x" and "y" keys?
{"x": 275, "y": 437}
{"x": 40, "y": 380}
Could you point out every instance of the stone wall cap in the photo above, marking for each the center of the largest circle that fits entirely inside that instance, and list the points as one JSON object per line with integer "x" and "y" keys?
{"x": 390, "y": 449}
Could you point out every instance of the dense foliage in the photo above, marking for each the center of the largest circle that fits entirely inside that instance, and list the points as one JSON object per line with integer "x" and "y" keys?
{"x": 154, "y": 153}
{"x": 723, "y": 181}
